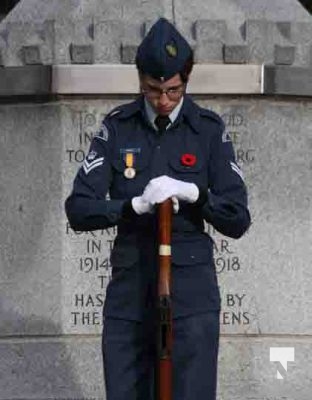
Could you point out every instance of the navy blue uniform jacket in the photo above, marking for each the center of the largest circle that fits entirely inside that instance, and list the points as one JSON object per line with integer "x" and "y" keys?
{"x": 199, "y": 132}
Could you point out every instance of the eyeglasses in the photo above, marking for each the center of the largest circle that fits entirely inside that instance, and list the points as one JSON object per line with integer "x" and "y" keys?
{"x": 172, "y": 93}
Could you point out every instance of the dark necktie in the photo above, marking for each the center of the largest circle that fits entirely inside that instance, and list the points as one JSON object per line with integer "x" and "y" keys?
{"x": 162, "y": 121}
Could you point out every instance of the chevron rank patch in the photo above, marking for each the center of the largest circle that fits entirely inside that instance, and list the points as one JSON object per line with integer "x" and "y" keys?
{"x": 236, "y": 169}
{"x": 89, "y": 165}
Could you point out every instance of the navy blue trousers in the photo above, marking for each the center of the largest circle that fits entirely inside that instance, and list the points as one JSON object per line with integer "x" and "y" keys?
{"x": 129, "y": 355}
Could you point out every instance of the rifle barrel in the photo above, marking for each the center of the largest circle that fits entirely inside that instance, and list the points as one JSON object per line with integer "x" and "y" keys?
{"x": 164, "y": 334}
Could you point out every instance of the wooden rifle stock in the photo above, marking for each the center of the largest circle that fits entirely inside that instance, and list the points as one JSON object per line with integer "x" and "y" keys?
{"x": 164, "y": 312}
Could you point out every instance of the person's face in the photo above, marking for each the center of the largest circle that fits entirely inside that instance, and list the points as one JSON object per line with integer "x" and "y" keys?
{"x": 163, "y": 96}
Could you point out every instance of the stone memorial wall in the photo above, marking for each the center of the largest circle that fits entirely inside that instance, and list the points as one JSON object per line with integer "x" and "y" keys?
{"x": 53, "y": 279}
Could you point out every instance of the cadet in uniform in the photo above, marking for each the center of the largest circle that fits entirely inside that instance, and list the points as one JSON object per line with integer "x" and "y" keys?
{"x": 161, "y": 146}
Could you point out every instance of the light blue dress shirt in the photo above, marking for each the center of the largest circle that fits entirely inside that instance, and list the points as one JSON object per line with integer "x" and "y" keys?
{"x": 151, "y": 115}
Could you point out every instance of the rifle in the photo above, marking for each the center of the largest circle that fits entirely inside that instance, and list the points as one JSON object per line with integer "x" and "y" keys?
{"x": 164, "y": 328}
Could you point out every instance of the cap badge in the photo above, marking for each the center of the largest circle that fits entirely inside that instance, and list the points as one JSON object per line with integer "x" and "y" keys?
{"x": 171, "y": 50}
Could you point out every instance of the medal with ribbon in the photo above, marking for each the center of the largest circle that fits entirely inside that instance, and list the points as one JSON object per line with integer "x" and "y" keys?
{"x": 129, "y": 159}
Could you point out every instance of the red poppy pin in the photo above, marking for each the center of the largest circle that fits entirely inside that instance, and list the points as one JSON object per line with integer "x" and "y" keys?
{"x": 189, "y": 160}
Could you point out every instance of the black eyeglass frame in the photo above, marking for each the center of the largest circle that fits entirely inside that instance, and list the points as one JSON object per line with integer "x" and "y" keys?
{"x": 172, "y": 93}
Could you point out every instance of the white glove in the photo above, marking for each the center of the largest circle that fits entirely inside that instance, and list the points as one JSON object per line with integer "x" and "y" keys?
{"x": 141, "y": 206}
{"x": 175, "y": 204}
{"x": 162, "y": 188}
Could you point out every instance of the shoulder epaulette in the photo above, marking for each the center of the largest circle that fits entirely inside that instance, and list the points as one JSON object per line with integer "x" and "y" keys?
{"x": 125, "y": 110}
{"x": 114, "y": 112}
{"x": 212, "y": 115}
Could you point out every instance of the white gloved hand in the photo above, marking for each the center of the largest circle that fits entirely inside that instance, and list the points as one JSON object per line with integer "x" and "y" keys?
{"x": 162, "y": 188}
{"x": 141, "y": 206}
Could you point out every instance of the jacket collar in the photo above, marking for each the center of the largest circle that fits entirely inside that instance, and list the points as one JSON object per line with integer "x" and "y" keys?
{"x": 136, "y": 106}
{"x": 190, "y": 112}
